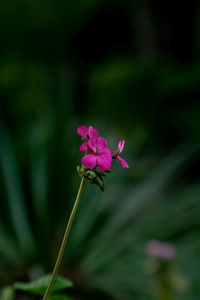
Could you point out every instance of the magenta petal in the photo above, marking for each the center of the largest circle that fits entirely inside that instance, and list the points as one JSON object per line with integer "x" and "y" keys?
{"x": 92, "y": 132}
{"x": 101, "y": 143}
{"x": 123, "y": 162}
{"x": 121, "y": 146}
{"x": 82, "y": 131}
{"x": 90, "y": 150}
{"x": 103, "y": 163}
{"x": 89, "y": 161}
{"x": 83, "y": 147}
{"x": 97, "y": 143}
{"x": 106, "y": 152}
{"x": 92, "y": 143}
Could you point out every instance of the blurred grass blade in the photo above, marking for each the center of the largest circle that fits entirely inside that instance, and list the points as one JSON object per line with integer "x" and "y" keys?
{"x": 16, "y": 202}
{"x": 38, "y": 172}
{"x": 8, "y": 247}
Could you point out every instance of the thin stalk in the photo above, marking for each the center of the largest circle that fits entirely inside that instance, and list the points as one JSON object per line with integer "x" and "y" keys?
{"x": 164, "y": 288}
{"x": 64, "y": 241}
{"x": 164, "y": 292}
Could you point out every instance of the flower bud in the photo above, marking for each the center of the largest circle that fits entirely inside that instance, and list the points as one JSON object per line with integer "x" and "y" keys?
{"x": 91, "y": 175}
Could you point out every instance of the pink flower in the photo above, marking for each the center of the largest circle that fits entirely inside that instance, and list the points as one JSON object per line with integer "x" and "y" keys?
{"x": 100, "y": 156}
{"x": 86, "y": 133}
{"x": 116, "y": 154}
{"x": 164, "y": 251}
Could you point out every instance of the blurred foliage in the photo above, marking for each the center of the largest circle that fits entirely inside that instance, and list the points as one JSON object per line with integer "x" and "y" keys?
{"x": 132, "y": 70}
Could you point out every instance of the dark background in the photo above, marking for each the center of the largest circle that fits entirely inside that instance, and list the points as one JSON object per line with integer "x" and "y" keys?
{"x": 132, "y": 70}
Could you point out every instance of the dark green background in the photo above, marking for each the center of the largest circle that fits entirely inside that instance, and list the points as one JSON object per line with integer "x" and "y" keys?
{"x": 132, "y": 70}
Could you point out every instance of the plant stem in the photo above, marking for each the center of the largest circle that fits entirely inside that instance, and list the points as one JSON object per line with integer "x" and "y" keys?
{"x": 164, "y": 288}
{"x": 165, "y": 293}
{"x": 64, "y": 241}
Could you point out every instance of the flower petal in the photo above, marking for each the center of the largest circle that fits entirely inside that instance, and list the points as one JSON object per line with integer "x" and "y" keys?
{"x": 123, "y": 162}
{"x": 82, "y": 131}
{"x": 92, "y": 132}
{"x": 101, "y": 143}
{"x": 90, "y": 150}
{"x": 106, "y": 152}
{"x": 121, "y": 146}
{"x": 83, "y": 147}
{"x": 92, "y": 143}
{"x": 103, "y": 163}
{"x": 89, "y": 161}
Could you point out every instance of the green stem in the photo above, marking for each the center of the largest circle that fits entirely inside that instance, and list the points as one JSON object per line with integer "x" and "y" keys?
{"x": 165, "y": 293}
{"x": 64, "y": 241}
{"x": 164, "y": 289}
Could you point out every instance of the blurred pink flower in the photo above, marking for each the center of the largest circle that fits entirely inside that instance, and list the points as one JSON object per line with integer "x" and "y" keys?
{"x": 116, "y": 154}
{"x": 164, "y": 251}
{"x": 86, "y": 133}
{"x": 100, "y": 155}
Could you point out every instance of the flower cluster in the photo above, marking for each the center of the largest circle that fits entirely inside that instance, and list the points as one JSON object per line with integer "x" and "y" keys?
{"x": 98, "y": 158}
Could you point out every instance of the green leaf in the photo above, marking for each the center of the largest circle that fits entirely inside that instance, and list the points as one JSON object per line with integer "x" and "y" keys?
{"x": 99, "y": 182}
{"x": 39, "y": 286}
{"x": 60, "y": 297}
